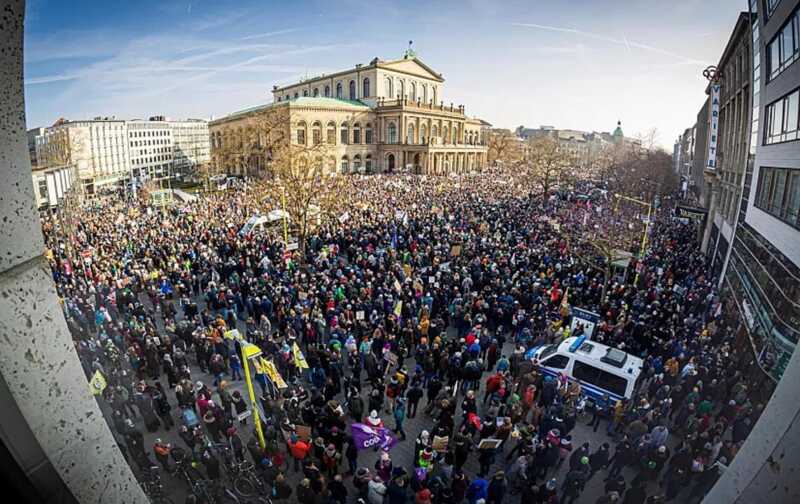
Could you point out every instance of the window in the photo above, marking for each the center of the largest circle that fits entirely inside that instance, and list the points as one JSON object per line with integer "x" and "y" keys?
{"x": 779, "y": 193}
{"x": 301, "y": 134}
{"x": 422, "y": 134}
{"x": 305, "y": 92}
{"x": 356, "y": 133}
{"x": 771, "y": 4}
{"x": 343, "y": 135}
{"x": 316, "y": 133}
{"x": 445, "y": 134}
{"x": 433, "y": 93}
{"x": 410, "y": 134}
{"x": 391, "y": 133}
{"x": 357, "y": 163}
{"x": 352, "y": 90}
{"x": 784, "y": 48}
{"x": 344, "y": 164}
{"x": 599, "y": 378}
{"x": 331, "y": 134}
{"x": 424, "y": 93}
{"x": 368, "y": 134}
{"x": 413, "y": 91}
{"x": 296, "y": 95}
{"x": 556, "y": 362}
{"x": 402, "y": 89}
{"x": 316, "y": 92}
{"x": 368, "y": 163}
{"x": 782, "y": 119}
{"x": 365, "y": 88}
{"x": 339, "y": 93}
{"x": 389, "y": 88}
{"x": 327, "y": 91}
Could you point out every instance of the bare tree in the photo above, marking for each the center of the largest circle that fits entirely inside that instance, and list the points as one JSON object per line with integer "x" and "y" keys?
{"x": 544, "y": 164}
{"x": 503, "y": 148}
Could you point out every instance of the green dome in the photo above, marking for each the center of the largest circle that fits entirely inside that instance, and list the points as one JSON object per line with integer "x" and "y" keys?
{"x": 618, "y": 131}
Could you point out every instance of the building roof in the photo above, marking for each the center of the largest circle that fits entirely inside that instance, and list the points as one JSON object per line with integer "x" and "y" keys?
{"x": 302, "y": 101}
{"x": 320, "y": 101}
{"x": 375, "y": 63}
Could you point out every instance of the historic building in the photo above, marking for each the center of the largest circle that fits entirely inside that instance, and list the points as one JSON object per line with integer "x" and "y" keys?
{"x": 382, "y": 117}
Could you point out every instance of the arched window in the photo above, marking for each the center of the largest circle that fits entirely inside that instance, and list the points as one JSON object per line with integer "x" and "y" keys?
{"x": 316, "y": 91}
{"x": 434, "y": 131}
{"x": 402, "y": 89}
{"x": 433, "y": 94}
{"x": 368, "y": 134}
{"x": 368, "y": 163}
{"x": 455, "y": 134}
{"x": 339, "y": 93}
{"x": 344, "y": 134}
{"x": 305, "y": 92}
{"x": 357, "y": 133}
{"x": 296, "y": 95}
{"x": 424, "y": 93}
{"x": 288, "y": 97}
{"x": 413, "y": 91}
{"x": 356, "y": 163}
{"x": 301, "y": 133}
{"x": 365, "y": 88}
{"x": 391, "y": 133}
{"x": 279, "y": 98}
{"x": 345, "y": 164}
{"x": 423, "y": 133}
{"x": 352, "y": 90}
{"x": 331, "y": 133}
{"x": 327, "y": 91}
{"x": 389, "y": 88}
{"x": 410, "y": 134}
{"x": 316, "y": 132}
{"x": 445, "y": 134}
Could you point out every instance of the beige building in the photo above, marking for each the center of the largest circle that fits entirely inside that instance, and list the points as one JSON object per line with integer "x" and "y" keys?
{"x": 383, "y": 117}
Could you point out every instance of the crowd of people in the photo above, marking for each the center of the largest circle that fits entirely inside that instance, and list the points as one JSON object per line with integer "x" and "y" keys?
{"x": 415, "y": 304}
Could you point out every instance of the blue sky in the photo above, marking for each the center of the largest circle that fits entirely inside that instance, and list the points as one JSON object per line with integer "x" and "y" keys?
{"x": 578, "y": 64}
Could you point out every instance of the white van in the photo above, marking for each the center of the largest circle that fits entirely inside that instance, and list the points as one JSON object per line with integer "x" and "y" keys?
{"x": 600, "y": 369}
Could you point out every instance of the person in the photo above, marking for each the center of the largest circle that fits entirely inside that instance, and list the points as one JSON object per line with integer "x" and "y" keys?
{"x": 497, "y": 488}
{"x": 637, "y": 494}
{"x": 399, "y": 417}
{"x": 575, "y": 480}
{"x": 599, "y": 459}
{"x": 477, "y": 490}
{"x": 305, "y": 493}
{"x": 281, "y": 490}
{"x": 376, "y": 490}
{"x": 299, "y": 450}
{"x": 162, "y": 451}
{"x": 338, "y": 490}
{"x": 239, "y": 406}
{"x": 413, "y": 396}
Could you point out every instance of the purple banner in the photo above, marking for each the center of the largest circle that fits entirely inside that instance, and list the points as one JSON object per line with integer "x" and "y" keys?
{"x": 366, "y": 436}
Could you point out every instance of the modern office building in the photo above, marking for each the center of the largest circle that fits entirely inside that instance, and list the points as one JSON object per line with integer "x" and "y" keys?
{"x": 763, "y": 273}
{"x": 108, "y": 152}
{"x": 382, "y": 117}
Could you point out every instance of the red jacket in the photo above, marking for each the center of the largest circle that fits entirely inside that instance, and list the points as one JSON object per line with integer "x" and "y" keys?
{"x": 299, "y": 449}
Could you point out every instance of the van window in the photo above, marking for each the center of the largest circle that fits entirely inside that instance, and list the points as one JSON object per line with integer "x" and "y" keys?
{"x": 599, "y": 378}
{"x": 557, "y": 362}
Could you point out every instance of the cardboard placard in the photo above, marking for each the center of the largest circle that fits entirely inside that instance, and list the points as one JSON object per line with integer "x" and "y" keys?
{"x": 489, "y": 443}
{"x": 303, "y": 432}
{"x": 360, "y": 315}
{"x": 244, "y": 414}
{"x": 440, "y": 443}
{"x": 455, "y": 250}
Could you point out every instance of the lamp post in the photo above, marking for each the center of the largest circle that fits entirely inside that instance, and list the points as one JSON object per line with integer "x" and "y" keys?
{"x": 646, "y": 229}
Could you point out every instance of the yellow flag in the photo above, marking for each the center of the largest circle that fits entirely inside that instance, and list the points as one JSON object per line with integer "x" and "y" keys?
{"x": 299, "y": 359}
{"x": 273, "y": 373}
{"x": 98, "y": 383}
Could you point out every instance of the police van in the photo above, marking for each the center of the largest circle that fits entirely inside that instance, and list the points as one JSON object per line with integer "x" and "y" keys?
{"x": 600, "y": 369}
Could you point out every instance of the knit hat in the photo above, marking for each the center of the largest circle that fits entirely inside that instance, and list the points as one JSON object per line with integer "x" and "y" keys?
{"x": 373, "y": 418}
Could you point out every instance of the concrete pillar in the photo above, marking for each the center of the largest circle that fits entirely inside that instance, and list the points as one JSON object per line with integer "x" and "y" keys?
{"x": 39, "y": 366}
{"x": 767, "y": 466}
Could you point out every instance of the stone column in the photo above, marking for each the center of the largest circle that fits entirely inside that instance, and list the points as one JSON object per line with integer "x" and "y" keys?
{"x": 45, "y": 384}
{"x": 767, "y": 465}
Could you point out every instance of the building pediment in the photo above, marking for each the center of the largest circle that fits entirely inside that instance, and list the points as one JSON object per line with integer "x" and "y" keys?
{"x": 411, "y": 66}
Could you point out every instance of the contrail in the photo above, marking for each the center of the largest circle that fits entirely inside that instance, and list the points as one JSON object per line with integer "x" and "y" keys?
{"x": 625, "y": 42}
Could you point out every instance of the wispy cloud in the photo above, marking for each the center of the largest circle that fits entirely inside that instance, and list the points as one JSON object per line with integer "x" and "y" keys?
{"x": 624, "y": 41}
{"x": 271, "y": 34}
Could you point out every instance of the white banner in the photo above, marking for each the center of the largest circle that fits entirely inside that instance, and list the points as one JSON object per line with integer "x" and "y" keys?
{"x": 713, "y": 128}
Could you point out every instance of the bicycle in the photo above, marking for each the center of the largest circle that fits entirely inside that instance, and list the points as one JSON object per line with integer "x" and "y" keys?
{"x": 151, "y": 484}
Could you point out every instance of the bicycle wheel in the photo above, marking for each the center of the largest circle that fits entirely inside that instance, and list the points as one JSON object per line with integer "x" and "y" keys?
{"x": 244, "y": 486}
